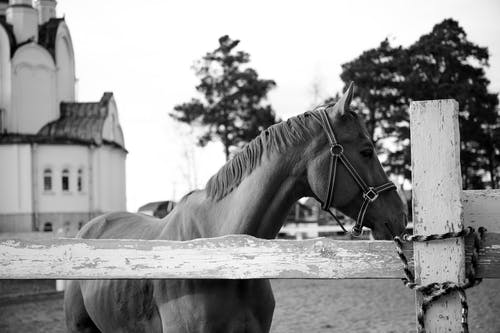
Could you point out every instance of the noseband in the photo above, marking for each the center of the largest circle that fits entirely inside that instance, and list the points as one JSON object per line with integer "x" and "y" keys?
{"x": 370, "y": 193}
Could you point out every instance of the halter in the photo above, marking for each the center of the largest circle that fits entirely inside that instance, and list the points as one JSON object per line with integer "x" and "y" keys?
{"x": 370, "y": 194}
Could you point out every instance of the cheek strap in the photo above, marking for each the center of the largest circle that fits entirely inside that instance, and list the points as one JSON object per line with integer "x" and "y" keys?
{"x": 370, "y": 194}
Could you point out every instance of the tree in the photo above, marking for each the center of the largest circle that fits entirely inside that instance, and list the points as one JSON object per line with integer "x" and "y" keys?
{"x": 378, "y": 81}
{"x": 441, "y": 64}
{"x": 445, "y": 64}
{"x": 232, "y": 110}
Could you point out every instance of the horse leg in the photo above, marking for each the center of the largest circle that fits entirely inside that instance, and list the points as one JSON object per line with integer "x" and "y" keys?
{"x": 76, "y": 316}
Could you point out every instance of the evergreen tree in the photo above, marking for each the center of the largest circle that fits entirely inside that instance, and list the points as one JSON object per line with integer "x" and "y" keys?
{"x": 442, "y": 64}
{"x": 378, "y": 84}
{"x": 232, "y": 109}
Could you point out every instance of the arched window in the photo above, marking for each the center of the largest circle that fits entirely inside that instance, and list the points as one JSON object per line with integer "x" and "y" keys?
{"x": 65, "y": 180}
{"x": 79, "y": 180}
{"x": 47, "y": 227}
{"x": 2, "y": 121}
{"x": 47, "y": 180}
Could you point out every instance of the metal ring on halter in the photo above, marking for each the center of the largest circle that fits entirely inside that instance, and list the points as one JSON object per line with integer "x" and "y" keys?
{"x": 370, "y": 195}
{"x": 336, "y": 149}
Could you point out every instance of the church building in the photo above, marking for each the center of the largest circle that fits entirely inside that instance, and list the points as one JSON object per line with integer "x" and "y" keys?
{"x": 62, "y": 162}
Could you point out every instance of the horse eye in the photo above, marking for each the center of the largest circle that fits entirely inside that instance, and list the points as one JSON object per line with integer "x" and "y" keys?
{"x": 367, "y": 153}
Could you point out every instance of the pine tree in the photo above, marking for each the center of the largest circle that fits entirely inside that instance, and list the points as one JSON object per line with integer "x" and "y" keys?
{"x": 232, "y": 108}
{"x": 442, "y": 64}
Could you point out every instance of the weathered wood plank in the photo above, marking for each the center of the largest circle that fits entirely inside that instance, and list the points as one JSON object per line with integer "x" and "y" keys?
{"x": 437, "y": 207}
{"x": 229, "y": 257}
{"x": 482, "y": 208}
{"x": 489, "y": 257}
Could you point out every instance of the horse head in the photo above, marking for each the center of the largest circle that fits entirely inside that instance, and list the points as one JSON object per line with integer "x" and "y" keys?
{"x": 344, "y": 172}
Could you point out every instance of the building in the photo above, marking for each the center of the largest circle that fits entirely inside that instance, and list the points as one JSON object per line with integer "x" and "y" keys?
{"x": 62, "y": 162}
{"x": 307, "y": 220}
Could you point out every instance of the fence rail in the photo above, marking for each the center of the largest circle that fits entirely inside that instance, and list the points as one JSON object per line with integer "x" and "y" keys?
{"x": 235, "y": 257}
{"x": 439, "y": 206}
{"x": 227, "y": 257}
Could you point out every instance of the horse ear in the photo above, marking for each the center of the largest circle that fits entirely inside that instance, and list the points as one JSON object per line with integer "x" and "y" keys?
{"x": 343, "y": 104}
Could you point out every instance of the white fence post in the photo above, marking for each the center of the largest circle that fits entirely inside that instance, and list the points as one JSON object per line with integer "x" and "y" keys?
{"x": 437, "y": 207}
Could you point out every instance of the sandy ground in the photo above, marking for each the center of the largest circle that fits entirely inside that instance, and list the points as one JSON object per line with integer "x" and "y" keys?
{"x": 306, "y": 306}
{"x": 368, "y": 306}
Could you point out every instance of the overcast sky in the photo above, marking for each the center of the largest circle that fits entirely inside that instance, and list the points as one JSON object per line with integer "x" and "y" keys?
{"x": 143, "y": 52}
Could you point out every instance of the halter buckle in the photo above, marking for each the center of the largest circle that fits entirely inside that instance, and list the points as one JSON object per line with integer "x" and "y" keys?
{"x": 370, "y": 195}
{"x": 336, "y": 149}
{"x": 357, "y": 230}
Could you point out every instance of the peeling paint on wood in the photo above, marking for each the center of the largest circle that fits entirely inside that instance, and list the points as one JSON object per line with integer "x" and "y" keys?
{"x": 228, "y": 257}
{"x": 437, "y": 191}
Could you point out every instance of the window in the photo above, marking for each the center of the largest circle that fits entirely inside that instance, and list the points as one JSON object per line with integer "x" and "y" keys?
{"x": 47, "y": 180}
{"x": 3, "y": 126}
{"x": 79, "y": 180}
{"x": 47, "y": 227}
{"x": 65, "y": 180}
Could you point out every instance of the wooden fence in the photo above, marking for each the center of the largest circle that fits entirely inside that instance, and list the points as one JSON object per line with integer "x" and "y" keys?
{"x": 439, "y": 206}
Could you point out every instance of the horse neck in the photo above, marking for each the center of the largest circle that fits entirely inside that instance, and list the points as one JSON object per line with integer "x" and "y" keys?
{"x": 260, "y": 204}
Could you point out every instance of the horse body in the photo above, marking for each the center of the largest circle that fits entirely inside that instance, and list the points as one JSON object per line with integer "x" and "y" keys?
{"x": 185, "y": 305}
{"x": 251, "y": 194}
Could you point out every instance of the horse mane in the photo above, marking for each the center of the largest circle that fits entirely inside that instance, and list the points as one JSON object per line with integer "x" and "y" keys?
{"x": 276, "y": 138}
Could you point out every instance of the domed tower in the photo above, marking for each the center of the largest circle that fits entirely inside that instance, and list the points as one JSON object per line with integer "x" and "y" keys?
{"x": 63, "y": 161}
{"x": 24, "y": 19}
{"x": 46, "y": 10}
{"x": 3, "y": 6}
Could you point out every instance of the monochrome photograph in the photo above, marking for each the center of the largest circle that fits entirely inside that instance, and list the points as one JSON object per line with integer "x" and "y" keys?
{"x": 268, "y": 166}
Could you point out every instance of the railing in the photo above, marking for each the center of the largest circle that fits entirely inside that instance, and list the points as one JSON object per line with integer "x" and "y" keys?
{"x": 439, "y": 206}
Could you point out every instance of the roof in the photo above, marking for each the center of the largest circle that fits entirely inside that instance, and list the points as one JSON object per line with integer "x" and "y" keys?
{"x": 81, "y": 122}
{"x": 151, "y": 206}
{"x": 13, "y": 138}
{"x": 47, "y": 35}
{"x": 159, "y": 209}
{"x": 311, "y": 202}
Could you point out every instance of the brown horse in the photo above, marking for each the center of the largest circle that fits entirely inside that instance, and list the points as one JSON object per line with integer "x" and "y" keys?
{"x": 251, "y": 194}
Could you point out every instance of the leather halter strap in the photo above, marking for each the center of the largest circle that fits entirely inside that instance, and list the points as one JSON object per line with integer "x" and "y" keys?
{"x": 370, "y": 194}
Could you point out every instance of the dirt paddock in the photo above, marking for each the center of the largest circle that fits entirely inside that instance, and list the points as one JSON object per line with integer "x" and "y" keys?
{"x": 301, "y": 306}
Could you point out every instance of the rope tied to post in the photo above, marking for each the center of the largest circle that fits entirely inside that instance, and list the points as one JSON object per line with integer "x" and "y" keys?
{"x": 435, "y": 290}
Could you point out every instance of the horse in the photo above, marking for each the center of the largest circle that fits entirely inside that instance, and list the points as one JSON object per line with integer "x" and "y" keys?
{"x": 251, "y": 194}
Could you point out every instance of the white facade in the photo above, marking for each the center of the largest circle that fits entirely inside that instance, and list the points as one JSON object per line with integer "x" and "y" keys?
{"x": 61, "y": 162}
{"x": 16, "y": 189}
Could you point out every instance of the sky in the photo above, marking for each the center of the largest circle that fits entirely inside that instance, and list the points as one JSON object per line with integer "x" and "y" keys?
{"x": 143, "y": 51}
